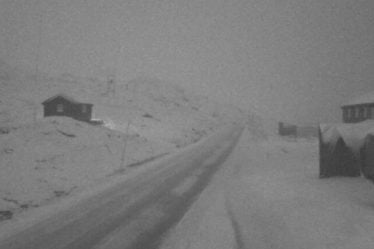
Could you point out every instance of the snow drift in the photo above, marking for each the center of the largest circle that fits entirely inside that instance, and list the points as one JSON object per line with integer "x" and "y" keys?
{"x": 55, "y": 156}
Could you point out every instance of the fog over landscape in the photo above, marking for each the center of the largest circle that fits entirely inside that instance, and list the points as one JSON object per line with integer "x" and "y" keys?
{"x": 175, "y": 124}
{"x": 289, "y": 60}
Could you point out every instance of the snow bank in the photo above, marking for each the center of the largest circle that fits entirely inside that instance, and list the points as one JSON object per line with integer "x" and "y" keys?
{"x": 51, "y": 158}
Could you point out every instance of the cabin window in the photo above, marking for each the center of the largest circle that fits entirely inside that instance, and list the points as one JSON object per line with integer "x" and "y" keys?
{"x": 350, "y": 113}
{"x": 354, "y": 113}
{"x": 372, "y": 112}
{"x": 84, "y": 108}
{"x": 361, "y": 112}
{"x": 366, "y": 112}
{"x": 347, "y": 113}
{"x": 60, "y": 108}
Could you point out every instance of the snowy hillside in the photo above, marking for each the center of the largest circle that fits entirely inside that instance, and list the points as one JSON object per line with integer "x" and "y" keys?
{"x": 55, "y": 156}
{"x": 155, "y": 108}
{"x": 45, "y": 158}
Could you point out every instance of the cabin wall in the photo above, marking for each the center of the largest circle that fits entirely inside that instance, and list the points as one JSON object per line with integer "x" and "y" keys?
{"x": 358, "y": 113}
{"x": 50, "y": 109}
{"x": 81, "y": 112}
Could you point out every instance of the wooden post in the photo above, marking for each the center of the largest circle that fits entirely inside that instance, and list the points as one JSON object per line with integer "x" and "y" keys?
{"x": 122, "y": 166}
{"x": 127, "y": 136}
{"x": 320, "y": 152}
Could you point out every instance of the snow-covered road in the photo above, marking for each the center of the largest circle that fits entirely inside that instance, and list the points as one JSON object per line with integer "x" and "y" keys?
{"x": 265, "y": 194}
{"x": 268, "y": 195}
{"x": 134, "y": 213}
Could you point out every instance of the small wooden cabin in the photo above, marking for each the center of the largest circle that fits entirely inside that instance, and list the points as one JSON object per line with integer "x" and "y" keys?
{"x": 287, "y": 129}
{"x": 62, "y": 105}
{"x": 359, "y": 109}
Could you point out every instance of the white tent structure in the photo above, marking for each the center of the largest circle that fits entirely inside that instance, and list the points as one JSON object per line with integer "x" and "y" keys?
{"x": 346, "y": 149}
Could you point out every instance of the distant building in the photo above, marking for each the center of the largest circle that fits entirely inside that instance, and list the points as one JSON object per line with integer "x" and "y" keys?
{"x": 359, "y": 109}
{"x": 286, "y": 129}
{"x": 300, "y": 131}
{"x": 62, "y": 105}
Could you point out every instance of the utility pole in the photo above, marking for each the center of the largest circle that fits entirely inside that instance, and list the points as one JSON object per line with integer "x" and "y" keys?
{"x": 118, "y": 54}
{"x": 127, "y": 135}
{"x": 111, "y": 87}
{"x": 38, "y": 46}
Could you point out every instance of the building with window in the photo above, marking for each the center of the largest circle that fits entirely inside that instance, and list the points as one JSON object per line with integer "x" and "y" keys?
{"x": 62, "y": 105}
{"x": 359, "y": 109}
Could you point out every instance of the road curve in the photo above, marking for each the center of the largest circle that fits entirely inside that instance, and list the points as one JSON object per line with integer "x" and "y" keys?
{"x": 135, "y": 213}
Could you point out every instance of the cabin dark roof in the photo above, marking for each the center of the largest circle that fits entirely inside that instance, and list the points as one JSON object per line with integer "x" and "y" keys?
{"x": 68, "y": 98}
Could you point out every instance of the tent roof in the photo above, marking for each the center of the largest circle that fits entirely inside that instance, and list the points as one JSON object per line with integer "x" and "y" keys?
{"x": 352, "y": 134}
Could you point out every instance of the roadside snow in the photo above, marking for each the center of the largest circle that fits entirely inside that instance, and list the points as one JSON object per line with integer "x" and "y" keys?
{"x": 275, "y": 199}
{"x": 53, "y": 157}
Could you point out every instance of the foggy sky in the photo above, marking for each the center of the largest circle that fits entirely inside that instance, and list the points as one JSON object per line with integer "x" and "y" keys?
{"x": 292, "y": 60}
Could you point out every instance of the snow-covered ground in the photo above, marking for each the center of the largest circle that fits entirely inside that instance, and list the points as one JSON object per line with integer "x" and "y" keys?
{"x": 269, "y": 195}
{"x": 44, "y": 159}
{"x": 54, "y": 156}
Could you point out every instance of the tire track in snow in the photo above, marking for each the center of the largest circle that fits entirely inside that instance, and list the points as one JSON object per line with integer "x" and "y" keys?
{"x": 235, "y": 226}
{"x": 153, "y": 238}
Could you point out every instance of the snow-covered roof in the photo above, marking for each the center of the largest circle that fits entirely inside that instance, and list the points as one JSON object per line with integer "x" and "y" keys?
{"x": 353, "y": 134}
{"x": 69, "y": 98}
{"x": 363, "y": 99}
{"x": 330, "y": 133}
